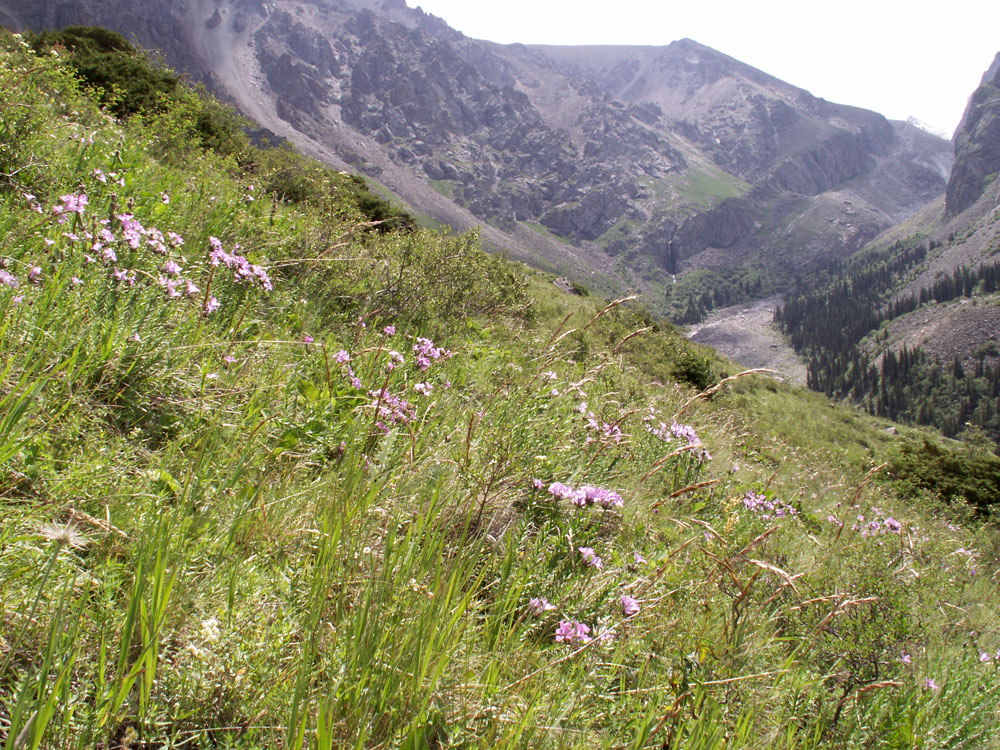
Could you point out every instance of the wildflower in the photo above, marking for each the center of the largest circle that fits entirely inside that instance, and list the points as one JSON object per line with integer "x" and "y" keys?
{"x": 395, "y": 360}
{"x": 100, "y": 176}
{"x": 75, "y": 281}
{"x": 550, "y": 375}
{"x": 175, "y": 240}
{"x": 424, "y": 389}
{"x": 561, "y": 491}
{"x": 71, "y": 204}
{"x": 120, "y": 274}
{"x": 136, "y": 338}
{"x": 229, "y": 359}
{"x": 67, "y": 535}
{"x": 211, "y": 305}
{"x": 49, "y": 242}
{"x": 307, "y": 338}
{"x": 639, "y": 559}
{"x": 538, "y": 484}
{"x": 929, "y": 683}
{"x": 629, "y": 606}
{"x": 984, "y": 657}
{"x": 165, "y": 198}
{"x": 538, "y": 605}
{"x": 389, "y": 330}
{"x": 18, "y": 299}
{"x": 906, "y": 659}
{"x": 341, "y": 357}
{"x": 171, "y": 267}
{"x": 210, "y": 630}
{"x": 34, "y": 273}
{"x": 766, "y": 508}
{"x": 570, "y": 631}
{"x": 190, "y": 289}
{"x": 8, "y": 279}
{"x": 590, "y": 558}
{"x": 110, "y": 255}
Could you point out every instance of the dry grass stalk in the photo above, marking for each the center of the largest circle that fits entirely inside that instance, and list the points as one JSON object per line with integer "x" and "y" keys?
{"x": 629, "y": 337}
{"x": 611, "y": 306}
{"x": 684, "y": 491}
{"x": 718, "y": 386}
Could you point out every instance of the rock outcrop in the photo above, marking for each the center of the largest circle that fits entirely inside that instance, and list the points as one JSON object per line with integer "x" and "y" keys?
{"x": 977, "y": 144}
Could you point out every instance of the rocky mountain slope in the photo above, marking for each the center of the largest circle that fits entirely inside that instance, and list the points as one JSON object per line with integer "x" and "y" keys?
{"x": 618, "y": 166}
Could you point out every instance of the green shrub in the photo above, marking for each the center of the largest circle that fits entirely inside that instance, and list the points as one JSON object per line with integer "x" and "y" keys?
{"x": 966, "y": 473}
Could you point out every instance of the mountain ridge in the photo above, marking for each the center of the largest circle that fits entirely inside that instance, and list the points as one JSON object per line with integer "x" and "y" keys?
{"x": 642, "y": 164}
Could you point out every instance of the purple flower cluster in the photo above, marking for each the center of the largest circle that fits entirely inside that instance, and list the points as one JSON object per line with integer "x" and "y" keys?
{"x": 73, "y": 203}
{"x": 573, "y": 631}
{"x": 243, "y": 270}
{"x": 766, "y": 508}
{"x": 8, "y": 279}
{"x": 427, "y": 353}
{"x": 609, "y": 432}
{"x": 591, "y": 558}
{"x": 586, "y": 495}
{"x": 682, "y": 432}
{"x": 630, "y": 606}
{"x": 391, "y": 409}
{"x": 877, "y": 525}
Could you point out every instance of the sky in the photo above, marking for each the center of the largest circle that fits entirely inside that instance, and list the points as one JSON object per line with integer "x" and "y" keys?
{"x": 902, "y": 59}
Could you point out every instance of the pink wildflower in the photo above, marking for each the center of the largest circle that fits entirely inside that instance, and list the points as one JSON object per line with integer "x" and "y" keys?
{"x": 570, "y": 631}
{"x": 630, "y": 606}
{"x": 590, "y": 558}
{"x": 8, "y": 279}
{"x": 538, "y": 605}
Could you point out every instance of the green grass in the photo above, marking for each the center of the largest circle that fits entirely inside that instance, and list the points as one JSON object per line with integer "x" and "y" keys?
{"x": 210, "y": 536}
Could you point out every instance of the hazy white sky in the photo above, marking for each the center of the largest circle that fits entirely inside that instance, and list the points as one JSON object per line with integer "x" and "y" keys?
{"x": 899, "y": 58}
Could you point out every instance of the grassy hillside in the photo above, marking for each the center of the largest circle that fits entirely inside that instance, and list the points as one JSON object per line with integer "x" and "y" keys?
{"x": 272, "y": 478}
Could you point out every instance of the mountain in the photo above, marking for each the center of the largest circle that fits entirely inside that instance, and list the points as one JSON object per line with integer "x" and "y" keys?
{"x": 621, "y": 167}
{"x": 910, "y": 326}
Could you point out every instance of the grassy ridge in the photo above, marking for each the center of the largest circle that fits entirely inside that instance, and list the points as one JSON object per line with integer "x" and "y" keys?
{"x": 268, "y": 478}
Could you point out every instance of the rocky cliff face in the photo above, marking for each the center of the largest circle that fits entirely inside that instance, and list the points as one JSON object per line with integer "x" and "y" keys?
{"x": 617, "y": 165}
{"x": 977, "y": 143}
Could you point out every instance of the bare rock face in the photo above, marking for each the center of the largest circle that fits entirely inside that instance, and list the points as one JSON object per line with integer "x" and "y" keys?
{"x": 977, "y": 143}
{"x": 641, "y": 161}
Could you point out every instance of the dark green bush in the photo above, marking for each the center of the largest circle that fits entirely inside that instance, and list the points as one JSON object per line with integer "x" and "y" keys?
{"x": 967, "y": 473}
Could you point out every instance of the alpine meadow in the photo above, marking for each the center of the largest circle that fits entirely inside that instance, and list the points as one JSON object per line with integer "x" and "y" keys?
{"x": 284, "y": 464}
